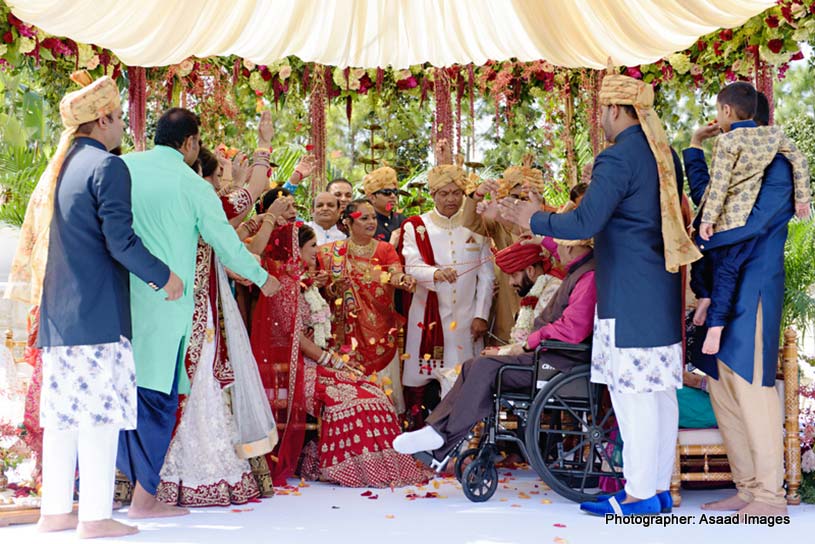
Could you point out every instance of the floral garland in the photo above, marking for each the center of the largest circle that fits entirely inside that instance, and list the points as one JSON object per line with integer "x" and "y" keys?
{"x": 320, "y": 316}
{"x": 526, "y": 314}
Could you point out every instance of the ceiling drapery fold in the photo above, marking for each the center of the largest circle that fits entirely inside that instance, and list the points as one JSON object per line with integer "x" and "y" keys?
{"x": 396, "y": 33}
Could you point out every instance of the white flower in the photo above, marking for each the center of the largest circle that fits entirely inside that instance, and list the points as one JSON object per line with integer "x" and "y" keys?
{"x": 93, "y": 62}
{"x": 681, "y": 63}
{"x": 26, "y": 45}
{"x": 547, "y": 67}
{"x": 285, "y": 72}
{"x": 248, "y": 64}
{"x": 185, "y": 67}
{"x": 808, "y": 461}
{"x": 400, "y": 75}
{"x": 85, "y": 53}
{"x": 696, "y": 70}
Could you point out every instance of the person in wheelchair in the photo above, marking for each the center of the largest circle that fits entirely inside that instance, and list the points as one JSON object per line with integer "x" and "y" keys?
{"x": 568, "y": 317}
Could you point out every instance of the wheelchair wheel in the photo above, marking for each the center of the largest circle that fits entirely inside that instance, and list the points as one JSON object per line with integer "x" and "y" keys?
{"x": 471, "y": 454}
{"x": 572, "y": 436}
{"x": 480, "y": 479}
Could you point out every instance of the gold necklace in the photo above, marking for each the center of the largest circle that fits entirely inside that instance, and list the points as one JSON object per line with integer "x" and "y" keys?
{"x": 362, "y": 251}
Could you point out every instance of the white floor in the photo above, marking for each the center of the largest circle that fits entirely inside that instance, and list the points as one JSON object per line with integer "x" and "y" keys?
{"x": 521, "y": 511}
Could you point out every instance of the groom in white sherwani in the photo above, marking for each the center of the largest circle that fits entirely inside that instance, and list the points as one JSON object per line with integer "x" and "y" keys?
{"x": 453, "y": 267}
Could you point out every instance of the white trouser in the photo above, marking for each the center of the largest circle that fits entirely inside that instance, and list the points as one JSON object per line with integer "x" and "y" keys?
{"x": 96, "y": 446}
{"x": 648, "y": 425}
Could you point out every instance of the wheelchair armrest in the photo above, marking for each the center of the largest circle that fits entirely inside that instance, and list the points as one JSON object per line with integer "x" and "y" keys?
{"x": 563, "y": 346}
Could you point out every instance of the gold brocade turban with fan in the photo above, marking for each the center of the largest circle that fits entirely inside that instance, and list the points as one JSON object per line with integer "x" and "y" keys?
{"x": 617, "y": 89}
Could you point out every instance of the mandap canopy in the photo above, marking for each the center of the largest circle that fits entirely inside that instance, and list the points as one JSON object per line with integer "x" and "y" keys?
{"x": 231, "y": 58}
{"x": 394, "y": 33}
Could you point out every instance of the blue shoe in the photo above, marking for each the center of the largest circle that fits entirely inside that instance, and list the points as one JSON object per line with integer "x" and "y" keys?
{"x": 666, "y": 502}
{"x": 612, "y": 505}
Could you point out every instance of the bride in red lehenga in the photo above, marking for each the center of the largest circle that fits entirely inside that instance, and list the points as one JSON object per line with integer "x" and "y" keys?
{"x": 290, "y": 334}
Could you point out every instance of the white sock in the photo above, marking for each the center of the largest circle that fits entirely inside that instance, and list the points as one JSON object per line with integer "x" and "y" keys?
{"x": 425, "y": 439}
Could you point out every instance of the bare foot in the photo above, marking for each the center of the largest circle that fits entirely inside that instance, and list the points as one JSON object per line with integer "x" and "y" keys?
{"x": 700, "y": 315}
{"x": 104, "y": 527}
{"x": 757, "y": 508}
{"x": 730, "y": 504}
{"x": 57, "y": 522}
{"x": 145, "y": 505}
{"x": 712, "y": 341}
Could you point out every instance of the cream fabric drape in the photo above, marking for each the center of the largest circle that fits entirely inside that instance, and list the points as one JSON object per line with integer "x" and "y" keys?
{"x": 397, "y": 33}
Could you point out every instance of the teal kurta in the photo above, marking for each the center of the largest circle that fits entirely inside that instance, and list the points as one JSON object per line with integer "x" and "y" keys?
{"x": 172, "y": 206}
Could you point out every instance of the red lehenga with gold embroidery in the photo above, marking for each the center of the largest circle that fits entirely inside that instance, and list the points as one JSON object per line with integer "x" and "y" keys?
{"x": 358, "y": 422}
{"x": 202, "y": 467}
{"x": 31, "y": 418}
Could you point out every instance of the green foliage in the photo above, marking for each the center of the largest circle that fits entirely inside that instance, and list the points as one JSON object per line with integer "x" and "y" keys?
{"x": 807, "y": 489}
{"x": 25, "y": 136}
{"x": 799, "y": 256}
{"x": 802, "y": 131}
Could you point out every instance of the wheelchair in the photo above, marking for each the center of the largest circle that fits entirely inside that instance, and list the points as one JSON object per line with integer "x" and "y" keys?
{"x": 565, "y": 429}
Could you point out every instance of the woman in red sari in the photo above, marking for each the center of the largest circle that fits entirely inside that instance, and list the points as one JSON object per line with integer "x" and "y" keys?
{"x": 290, "y": 334}
{"x": 364, "y": 275}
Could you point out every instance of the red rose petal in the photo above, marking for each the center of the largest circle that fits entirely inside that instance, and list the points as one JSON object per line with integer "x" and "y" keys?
{"x": 366, "y": 493}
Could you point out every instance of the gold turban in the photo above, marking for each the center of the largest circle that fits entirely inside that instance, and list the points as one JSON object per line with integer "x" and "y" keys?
{"x": 94, "y": 100}
{"x": 445, "y": 174}
{"x": 589, "y": 242}
{"x": 381, "y": 178}
{"x": 623, "y": 90}
{"x": 521, "y": 175}
{"x": 89, "y": 103}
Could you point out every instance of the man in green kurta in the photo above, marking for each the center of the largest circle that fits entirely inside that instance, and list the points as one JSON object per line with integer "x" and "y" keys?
{"x": 172, "y": 206}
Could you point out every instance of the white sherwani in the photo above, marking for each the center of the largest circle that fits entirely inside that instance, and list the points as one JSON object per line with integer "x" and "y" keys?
{"x": 326, "y": 236}
{"x": 454, "y": 246}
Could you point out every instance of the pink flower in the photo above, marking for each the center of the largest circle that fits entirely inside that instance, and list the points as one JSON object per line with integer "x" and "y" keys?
{"x": 726, "y": 35}
{"x": 701, "y": 45}
{"x": 797, "y": 56}
{"x": 696, "y": 70}
{"x": 730, "y": 76}
{"x": 634, "y": 71}
{"x": 717, "y": 48}
{"x": 771, "y": 21}
{"x": 284, "y": 72}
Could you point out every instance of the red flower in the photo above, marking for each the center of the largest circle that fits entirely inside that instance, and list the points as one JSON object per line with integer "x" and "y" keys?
{"x": 797, "y": 56}
{"x": 772, "y": 21}
{"x": 726, "y": 35}
{"x": 265, "y": 74}
{"x": 786, "y": 12}
{"x": 309, "y": 147}
{"x": 356, "y": 215}
{"x": 245, "y": 72}
{"x": 8, "y": 37}
{"x": 529, "y": 301}
{"x": 775, "y": 45}
{"x": 405, "y": 84}
{"x": 701, "y": 45}
{"x": 717, "y": 48}
{"x": 730, "y": 76}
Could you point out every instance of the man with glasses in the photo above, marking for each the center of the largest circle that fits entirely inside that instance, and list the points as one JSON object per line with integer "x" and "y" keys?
{"x": 381, "y": 190}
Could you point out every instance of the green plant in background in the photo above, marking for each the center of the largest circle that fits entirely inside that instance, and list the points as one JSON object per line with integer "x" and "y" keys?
{"x": 25, "y": 145}
{"x": 802, "y": 131}
{"x": 799, "y": 256}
